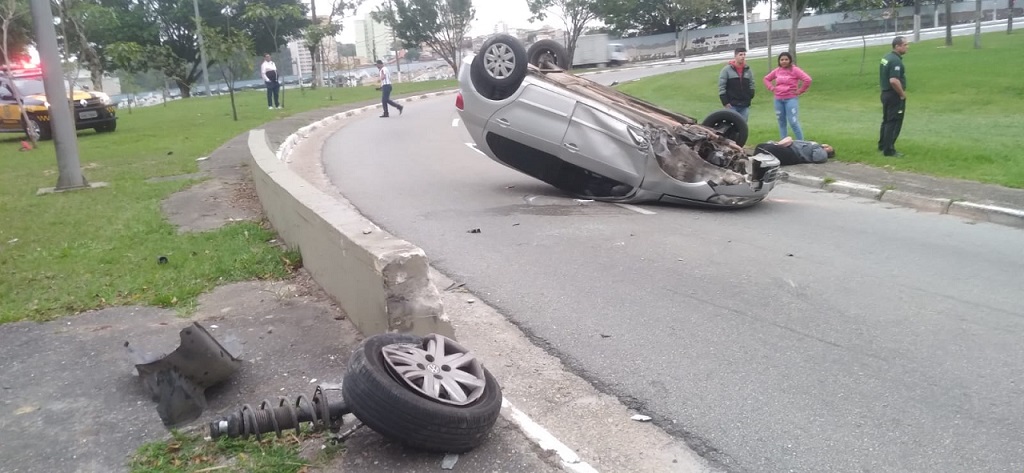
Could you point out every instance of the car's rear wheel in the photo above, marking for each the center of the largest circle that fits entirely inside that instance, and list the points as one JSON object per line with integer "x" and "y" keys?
{"x": 546, "y": 53}
{"x": 426, "y": 392}
{"x": 500, "y": 67}
{"x": 728, "y": 124}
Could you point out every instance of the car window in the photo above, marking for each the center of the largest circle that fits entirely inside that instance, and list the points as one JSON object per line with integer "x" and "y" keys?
{"x": 29, "y": 87}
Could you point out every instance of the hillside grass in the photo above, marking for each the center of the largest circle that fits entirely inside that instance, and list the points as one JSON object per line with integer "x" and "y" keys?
{"x": 964, "y": 114}
{"x": 74, "y": 251}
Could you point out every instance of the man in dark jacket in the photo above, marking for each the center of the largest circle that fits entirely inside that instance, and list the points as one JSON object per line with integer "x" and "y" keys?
{"x": 736, "y": 84}
{"x": 892, "y": 77}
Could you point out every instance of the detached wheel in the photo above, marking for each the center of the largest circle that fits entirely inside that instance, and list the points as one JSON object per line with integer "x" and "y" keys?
{"x": 500, "y": 67}
{"x": 546, "y": 53}
{"x": 426, "y": 392}
{"x": 728, "y": 124}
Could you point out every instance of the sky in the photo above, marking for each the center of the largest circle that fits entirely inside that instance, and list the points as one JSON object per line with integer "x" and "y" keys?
{"x": 488, "y": 13}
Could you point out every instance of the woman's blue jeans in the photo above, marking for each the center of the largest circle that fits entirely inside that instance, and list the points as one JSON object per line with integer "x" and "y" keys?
{"x": 786, "y": 112}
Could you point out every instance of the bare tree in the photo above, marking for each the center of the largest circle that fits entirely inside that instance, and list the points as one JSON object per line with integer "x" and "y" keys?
{"x": 1009, "y": 18}
{"x": 977, "y": 24}
{"x": 575, "y": 15}
{"x": 949, "y": 22}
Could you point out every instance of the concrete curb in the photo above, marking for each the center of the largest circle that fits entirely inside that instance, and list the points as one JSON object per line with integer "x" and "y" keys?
{"x": 380, "y": 281}
{"x": 974, "y": 211}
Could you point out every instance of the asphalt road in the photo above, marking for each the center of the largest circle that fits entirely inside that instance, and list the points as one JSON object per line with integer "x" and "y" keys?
{"x": 812, "y": 332}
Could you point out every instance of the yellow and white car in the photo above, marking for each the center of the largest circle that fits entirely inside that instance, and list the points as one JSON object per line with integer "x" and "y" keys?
{"x": 91, "y": 109}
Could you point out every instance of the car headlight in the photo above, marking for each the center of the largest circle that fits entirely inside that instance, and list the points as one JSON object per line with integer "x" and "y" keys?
{"x": 104, "y": 97}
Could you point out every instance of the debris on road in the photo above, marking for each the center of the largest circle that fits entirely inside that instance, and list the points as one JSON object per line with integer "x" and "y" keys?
{"x": 449, "y": 461}
{"x": 178, "y": 381}
{"x": 641, "y": 418}
{"x": 475, "y": 230}
{"x": 324, "y": 411}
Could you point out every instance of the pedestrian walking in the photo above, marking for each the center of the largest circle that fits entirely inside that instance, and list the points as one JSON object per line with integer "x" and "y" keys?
{"x": 788, "y": 82}
{"x": 892, "y": 75}
{"x": 269, "y": 72}
{"x": 736, "y": 84}
{"x": 385, "y": 88}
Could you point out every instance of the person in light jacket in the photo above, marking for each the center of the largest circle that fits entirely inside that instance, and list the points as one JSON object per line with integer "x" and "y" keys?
{"x": 788, "y": 82}
{"x": 268, "y": 70}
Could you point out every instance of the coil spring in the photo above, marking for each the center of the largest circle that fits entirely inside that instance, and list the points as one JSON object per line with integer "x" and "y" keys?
{"x": 325, "y": 410}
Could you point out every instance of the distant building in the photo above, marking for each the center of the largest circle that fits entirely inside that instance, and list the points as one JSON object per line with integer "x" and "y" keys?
{"x": 303, "y": 59}
{"x": 374, "y": 40}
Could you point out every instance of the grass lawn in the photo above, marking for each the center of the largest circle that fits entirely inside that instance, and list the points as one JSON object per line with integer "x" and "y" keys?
{"x": 191, "y": 453}
{"x": 69, "y": 252}
{"x": 965, "y": 106}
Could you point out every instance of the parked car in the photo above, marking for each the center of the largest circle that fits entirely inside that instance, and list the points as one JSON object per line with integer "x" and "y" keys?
{"x": 525, "y": 111}
{"x": 91, "y": 109}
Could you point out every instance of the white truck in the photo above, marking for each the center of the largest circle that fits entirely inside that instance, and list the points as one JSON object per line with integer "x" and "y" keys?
{"x": 597, "y": 50}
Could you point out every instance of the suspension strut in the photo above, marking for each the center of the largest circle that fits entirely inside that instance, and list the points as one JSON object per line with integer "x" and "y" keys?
{"x": 325, "y": 410}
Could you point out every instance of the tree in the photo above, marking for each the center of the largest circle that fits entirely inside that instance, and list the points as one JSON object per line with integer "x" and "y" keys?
{"x": 279, "y": 19}
{"x": 1009, "y": 18}
{"x": 575, "y": 15}
{"x": 170, "y": 46}
{"x": 649, "y": 17}
{"x": 949, "y": 23}
{"x": 16, "y": 28}
{"x": 796, "y": 12}
{"x": 233, "y": 50}
{"x": 15, "y": 25}
{"x": 977, "y": 24}
{"x": 440, "y": 24}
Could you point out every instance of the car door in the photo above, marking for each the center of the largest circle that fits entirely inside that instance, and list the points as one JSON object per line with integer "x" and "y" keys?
{"x": 597, "y": 141}
{"x": 536, "y": 118}
{"x": 10, "y": 118}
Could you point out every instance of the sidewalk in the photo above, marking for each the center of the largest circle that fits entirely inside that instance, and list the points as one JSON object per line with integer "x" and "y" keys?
{"x": 955, "y": 197}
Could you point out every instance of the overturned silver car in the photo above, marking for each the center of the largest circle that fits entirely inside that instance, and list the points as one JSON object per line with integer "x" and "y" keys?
{"x": 525, "y": 111}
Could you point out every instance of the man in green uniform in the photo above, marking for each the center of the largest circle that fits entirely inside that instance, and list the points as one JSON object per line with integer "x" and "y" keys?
{"x": 892, "y": 77}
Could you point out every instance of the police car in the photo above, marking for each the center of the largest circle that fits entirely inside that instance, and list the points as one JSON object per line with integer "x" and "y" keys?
{"x": 21, "y": 89}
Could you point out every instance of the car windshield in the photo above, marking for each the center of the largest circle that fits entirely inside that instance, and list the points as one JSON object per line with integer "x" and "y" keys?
{"x": 29, "y": 87}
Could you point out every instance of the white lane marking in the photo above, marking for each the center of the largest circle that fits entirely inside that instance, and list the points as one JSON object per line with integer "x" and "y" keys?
{"x": 570, "y": 460}
{"x": 473, "y": 147}
{"x": 636, "y": 209}
{"x": 455, "y": 123}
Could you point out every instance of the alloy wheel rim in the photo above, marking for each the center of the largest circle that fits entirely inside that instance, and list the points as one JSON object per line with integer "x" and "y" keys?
{"x": 499, "y": 61}
{"x": 438, "y": 368}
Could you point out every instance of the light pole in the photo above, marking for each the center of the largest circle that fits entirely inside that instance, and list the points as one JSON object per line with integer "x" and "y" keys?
{"x": 746, "y": 41}
{"x": 202, "y": 49}
{"x": 62, "y": 125}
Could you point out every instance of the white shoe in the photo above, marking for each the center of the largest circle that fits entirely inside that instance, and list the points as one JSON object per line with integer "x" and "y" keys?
{"x": 270, "y": 108}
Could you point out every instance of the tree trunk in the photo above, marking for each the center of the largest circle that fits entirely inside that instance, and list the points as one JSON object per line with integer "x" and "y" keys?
{"x": 186, "y": 89}
{"x": 1009, "y": 18}
{"x": 795, "y": 13}
{"x": 917, "y": 21}
{"x": 949, "y": 22}
{"x": 977, "y": 24}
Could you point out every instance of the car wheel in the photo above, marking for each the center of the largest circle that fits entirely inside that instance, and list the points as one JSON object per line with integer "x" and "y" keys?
{"x": 425, "y": 392}
{"x": 550, "y": 52}
{"x": 728, "y": 124}
{"x": 500, "y": 67}
{"x": 38, "y": 130}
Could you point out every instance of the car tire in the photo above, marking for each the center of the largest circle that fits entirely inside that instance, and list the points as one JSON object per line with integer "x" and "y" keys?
{"x": 391, "y": 407}
{"x": 728, "y": 124}
{"x": 41, "y": 130}
{"x": 548, "y": 49}
{"x": 499, "y": 68}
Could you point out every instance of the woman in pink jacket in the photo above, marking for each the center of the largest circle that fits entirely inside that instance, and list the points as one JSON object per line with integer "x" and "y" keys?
{"x": 789, "y": 83}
